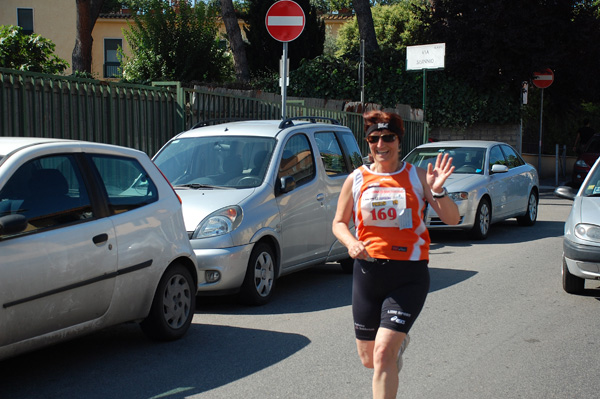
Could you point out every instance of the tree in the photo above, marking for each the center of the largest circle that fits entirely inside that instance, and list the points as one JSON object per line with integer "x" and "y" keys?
{"x": 236, "y": 43}
{"x": 264, "y": 52}
{"x": 396, "y": 26}
{"x": 174, "y": 43}
{"x": 28, "y": 52}
{"x": 87, "y": 14}
{"x": 365, "y": 24}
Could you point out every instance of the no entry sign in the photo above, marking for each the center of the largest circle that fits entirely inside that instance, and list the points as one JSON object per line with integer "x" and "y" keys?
{"x": 543, "y": 79}
{"x": 285, "y": 21}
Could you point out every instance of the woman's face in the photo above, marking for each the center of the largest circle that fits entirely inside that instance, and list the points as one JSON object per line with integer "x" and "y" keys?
{"x": 384, "y": 145}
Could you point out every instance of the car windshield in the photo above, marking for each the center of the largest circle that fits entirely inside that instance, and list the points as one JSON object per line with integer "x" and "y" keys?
{"x": 216, "y": 162}
{"x": 466, "y": 160}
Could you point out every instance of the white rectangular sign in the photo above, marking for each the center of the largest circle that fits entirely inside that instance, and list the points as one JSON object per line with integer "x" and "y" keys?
{"x": 427, "y": 56}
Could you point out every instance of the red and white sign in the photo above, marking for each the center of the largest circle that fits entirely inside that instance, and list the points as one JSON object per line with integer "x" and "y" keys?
{"x": 285, "y": 21}
{"x": 543, "y": 79}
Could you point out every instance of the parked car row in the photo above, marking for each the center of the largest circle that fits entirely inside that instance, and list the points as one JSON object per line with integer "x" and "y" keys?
{"x": 92, "y": 235}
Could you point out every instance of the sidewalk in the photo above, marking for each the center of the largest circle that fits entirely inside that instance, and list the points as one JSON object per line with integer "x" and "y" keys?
{"x": 548, "y": 184}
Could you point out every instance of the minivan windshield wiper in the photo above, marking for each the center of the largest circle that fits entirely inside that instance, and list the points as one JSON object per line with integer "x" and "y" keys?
{"x": 196, "y": 186}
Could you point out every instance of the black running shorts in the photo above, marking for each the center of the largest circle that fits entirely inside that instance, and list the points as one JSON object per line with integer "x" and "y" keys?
{"x": 387, "y": 293}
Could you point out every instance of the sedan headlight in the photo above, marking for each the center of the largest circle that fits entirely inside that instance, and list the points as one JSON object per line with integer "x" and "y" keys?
{"x": 220, "y": 222}
{"x": 459, "y": 196}
{"x": 589, "y": 232}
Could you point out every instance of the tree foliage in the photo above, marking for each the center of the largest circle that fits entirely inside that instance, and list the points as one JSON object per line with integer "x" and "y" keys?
{"x": 501, "y": 43}
{"x": 28, "y": 52}
{"x": 264, "y": 52}
{"x": 174, "y": 43}
{"x": 395, "y": 27}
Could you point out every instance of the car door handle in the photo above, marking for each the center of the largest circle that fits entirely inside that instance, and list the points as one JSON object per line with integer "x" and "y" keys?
{"x": 100, "y": 238}
{"x": 320, "y": 197}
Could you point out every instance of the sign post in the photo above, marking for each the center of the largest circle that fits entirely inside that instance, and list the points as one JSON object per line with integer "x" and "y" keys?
{"x": 285, "y": 22}
{"x": 422, "y": 58}
{"x": 542, "y": 80}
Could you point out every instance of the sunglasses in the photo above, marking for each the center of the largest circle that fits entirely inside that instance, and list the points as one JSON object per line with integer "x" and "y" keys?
{"x": 387, "y": 138}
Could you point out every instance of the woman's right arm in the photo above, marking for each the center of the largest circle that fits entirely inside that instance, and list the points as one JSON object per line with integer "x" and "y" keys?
{"x": 341, "y": 223}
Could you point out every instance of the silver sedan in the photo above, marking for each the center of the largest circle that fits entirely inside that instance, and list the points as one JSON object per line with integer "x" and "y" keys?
{"x": 491, "y": 183}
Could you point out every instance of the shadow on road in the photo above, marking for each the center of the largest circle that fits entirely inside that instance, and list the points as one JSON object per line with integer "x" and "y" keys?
{"x": 122, "y": 363}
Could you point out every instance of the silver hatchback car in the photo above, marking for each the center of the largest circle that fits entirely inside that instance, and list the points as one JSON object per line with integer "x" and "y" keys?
{"x": 91, "y": 235}
{"x": 259, "y": 198}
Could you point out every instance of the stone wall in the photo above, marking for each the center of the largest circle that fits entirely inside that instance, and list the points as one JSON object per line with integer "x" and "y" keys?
{"x": 506, "y": 133}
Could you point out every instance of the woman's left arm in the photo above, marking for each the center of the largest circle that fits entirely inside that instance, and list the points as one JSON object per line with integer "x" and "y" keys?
{"x": 433, "y": 182}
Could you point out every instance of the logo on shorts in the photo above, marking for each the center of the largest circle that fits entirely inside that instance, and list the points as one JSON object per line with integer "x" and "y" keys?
{"x": 398, "y": 320}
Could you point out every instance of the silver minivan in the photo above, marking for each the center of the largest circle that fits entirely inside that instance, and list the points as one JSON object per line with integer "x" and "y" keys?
{"x": 259, "y": 198}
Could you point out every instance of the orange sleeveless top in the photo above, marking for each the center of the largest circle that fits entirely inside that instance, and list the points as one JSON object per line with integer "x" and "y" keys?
{"x": 389, "y": 210}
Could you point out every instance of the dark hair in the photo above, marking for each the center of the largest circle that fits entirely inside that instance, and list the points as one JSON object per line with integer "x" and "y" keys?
{"x": 385, "y": 121}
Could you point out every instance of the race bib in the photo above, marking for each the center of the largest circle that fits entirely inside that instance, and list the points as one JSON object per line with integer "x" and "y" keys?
{"x": 385, "y": 207}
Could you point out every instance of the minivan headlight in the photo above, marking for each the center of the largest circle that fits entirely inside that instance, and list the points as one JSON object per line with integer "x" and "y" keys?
{"x": 220, "y": 222}
{"x": 589, "y": 232}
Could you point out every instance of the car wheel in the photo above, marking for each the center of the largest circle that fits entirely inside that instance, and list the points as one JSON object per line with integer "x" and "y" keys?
{"x": 173, "y": 305}
{"x": 347, "y": 265}
{"x": 259, "y": 282}
{"x": 571, "y": 284}
{"x": 532, "y": 209}
{"x": 482, "y": 220}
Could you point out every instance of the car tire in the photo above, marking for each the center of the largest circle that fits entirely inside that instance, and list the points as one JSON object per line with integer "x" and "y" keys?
{"x": 571, "y": 284}
{"x": 347, "y": 265}
{"x": 532, "y": 210}
{"x": 173, "y": 305}
{"x": 259, "y": 281}
{"x": 483, "y": 218}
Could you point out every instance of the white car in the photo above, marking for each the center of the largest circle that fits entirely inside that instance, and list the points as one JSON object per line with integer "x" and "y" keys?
{"x": 259, "y": 198}
{"x": 581, "y": 243}
{"x": 91, "y": 235}
{"x": 491, "y": 183}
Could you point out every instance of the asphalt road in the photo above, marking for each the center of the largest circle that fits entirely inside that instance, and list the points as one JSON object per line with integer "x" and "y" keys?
{"x": 496, "y": 324}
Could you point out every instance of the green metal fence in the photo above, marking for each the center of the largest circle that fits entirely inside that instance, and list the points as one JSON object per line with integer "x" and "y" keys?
{"x": 141, "y": 117}
{"x": 41, "y": 105}
{"x": 203, "y": 105}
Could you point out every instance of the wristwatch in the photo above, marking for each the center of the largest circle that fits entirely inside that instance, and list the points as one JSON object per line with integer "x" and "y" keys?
{"x": 440, "y": 195}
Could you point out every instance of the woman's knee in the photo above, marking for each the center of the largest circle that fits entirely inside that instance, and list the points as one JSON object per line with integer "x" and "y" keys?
{"x": 383, "y": 356}
{"x": 365, "y": 352}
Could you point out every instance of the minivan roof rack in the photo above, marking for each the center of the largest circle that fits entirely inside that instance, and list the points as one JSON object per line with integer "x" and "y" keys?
{"x": 217, "y": 121}
{"x": 313, "y": 119}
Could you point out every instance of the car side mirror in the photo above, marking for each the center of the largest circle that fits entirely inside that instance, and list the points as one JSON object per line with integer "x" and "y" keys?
{"x": 287, "y": 184}
{"x": 564, "y": 192}
{"x": 499, "y": 168}
{"x": 12, "y": 224}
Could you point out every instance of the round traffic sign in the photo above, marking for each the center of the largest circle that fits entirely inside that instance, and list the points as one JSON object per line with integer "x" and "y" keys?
{"x": 285, "y": 20}
{"x": 543, "y": 79}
